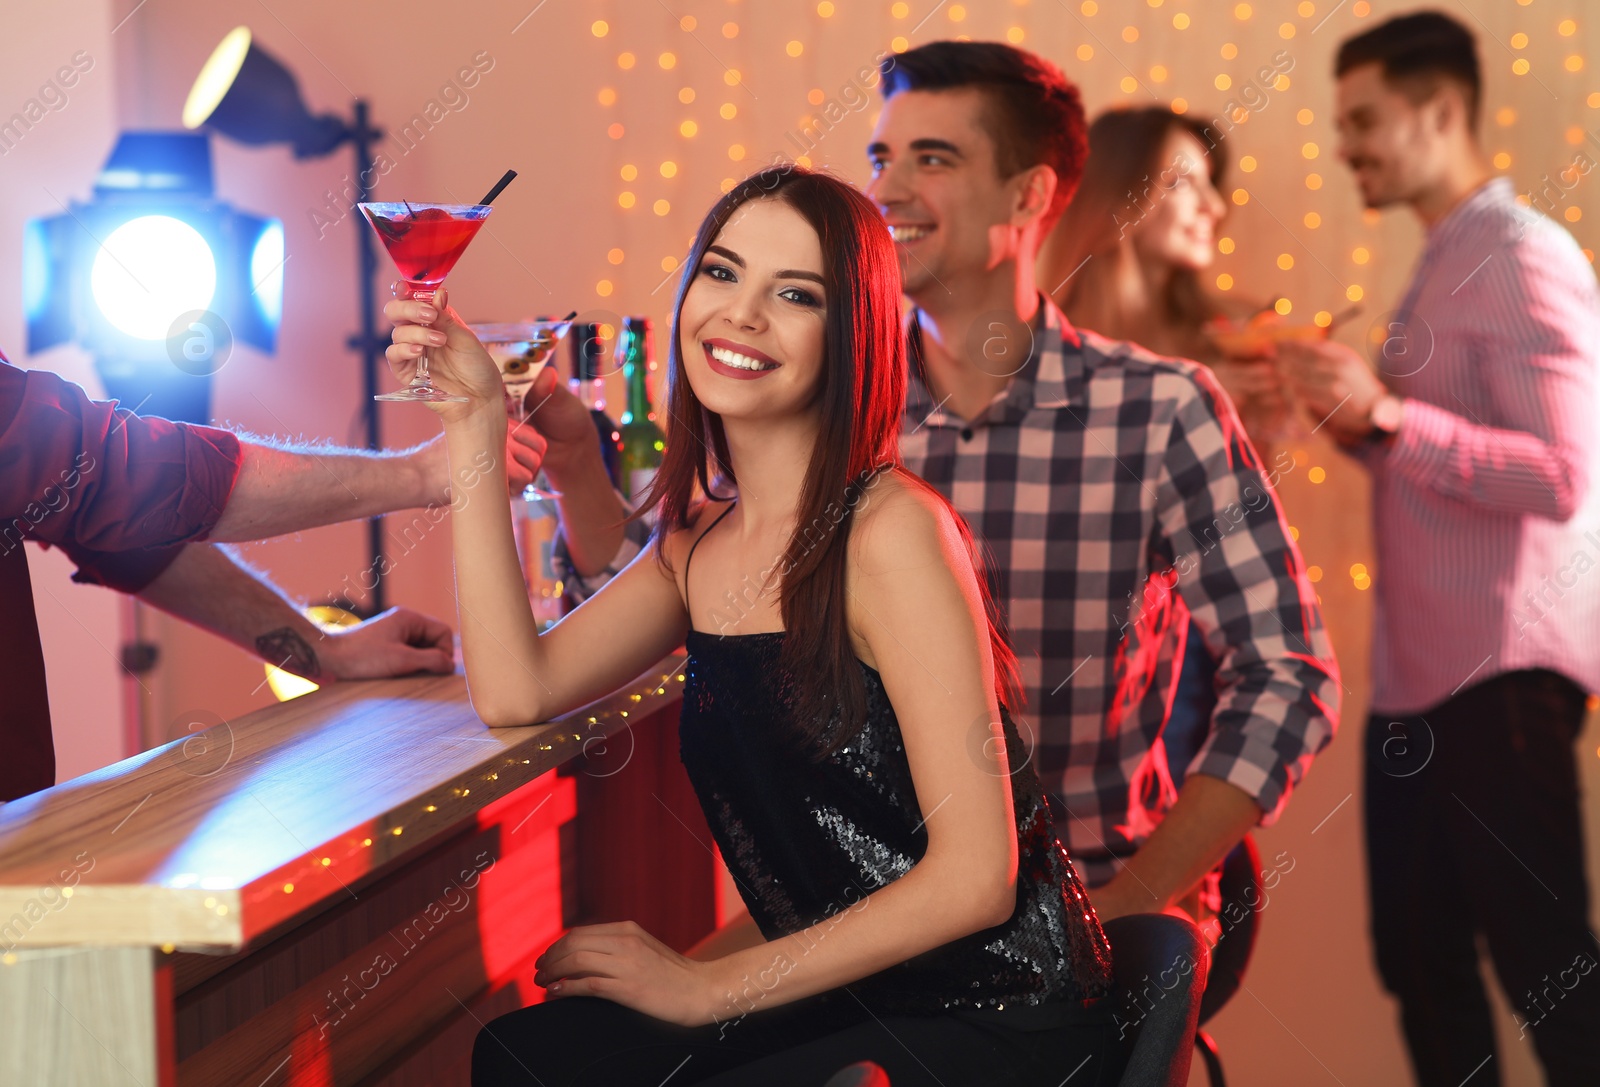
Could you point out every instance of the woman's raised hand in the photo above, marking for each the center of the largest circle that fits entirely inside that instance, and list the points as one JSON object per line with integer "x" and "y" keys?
{"x": 457, "y": 362}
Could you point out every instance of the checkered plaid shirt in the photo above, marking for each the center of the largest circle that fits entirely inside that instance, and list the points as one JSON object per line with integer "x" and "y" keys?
{"x": 1115, "y": 495}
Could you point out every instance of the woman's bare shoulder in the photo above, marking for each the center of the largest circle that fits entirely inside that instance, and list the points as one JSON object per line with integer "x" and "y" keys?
{"x": 903, "y": 518}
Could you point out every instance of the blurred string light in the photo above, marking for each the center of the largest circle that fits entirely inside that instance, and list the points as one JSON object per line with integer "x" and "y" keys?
{"x": 801, "y": 46}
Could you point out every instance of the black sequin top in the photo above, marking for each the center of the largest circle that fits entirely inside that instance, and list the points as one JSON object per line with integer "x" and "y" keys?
{"x": 806, "y": 840}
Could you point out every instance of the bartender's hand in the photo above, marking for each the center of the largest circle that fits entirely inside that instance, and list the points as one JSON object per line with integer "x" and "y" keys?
{"x": 525, "y": 448}
{"x": 1335, "y": 383}
{"x": 623, "y": 963}
{"x": 557, "y": 430}
{"x": 394, "y": 643}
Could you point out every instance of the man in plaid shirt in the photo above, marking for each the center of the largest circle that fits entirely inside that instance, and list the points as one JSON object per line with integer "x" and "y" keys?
{"x": 1113, "y": 489}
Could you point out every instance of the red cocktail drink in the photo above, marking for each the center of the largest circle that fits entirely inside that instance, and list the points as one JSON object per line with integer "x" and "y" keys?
{"x": 424, "y": 241}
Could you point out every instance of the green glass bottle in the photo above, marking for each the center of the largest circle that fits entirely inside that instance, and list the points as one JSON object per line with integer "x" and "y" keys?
{"x": 643, "y": 442}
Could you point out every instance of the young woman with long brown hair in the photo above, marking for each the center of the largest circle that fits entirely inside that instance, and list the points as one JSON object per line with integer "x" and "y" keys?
{"x": 847, "y": 728}
{"x": 1126, "y": 257}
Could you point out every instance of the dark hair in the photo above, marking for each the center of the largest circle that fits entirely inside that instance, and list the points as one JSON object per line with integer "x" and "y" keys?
{"x": 1035, "y": 113}
{"x": 859, "y": 406}
{"x": 1416, "y": 51}
{"x": 1123, "y": 176}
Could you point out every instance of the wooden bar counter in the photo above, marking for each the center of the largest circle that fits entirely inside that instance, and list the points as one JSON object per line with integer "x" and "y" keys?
{"x": 339, "y": 889}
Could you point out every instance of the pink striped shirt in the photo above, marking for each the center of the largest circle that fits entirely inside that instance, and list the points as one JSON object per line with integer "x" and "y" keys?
{"x": 1486, "y": 509}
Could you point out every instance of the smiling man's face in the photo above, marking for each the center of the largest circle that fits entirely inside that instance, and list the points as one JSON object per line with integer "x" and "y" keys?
{"x": 1394, "y": 146}
{"x": 936, "y": 179}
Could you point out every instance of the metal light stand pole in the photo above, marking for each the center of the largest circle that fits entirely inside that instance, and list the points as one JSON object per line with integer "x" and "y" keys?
{"x": 363, "y": 135}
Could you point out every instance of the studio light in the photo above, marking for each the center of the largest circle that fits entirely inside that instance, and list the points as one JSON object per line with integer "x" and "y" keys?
{"x": 150, "y": 270}
{"x": 246, "y": 94}
{"x": 154, "y": 276}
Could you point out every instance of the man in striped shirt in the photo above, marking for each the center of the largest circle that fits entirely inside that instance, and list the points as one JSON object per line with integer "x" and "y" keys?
{"x": 1480, "y": 433}
{"x": 1114, "y": 492}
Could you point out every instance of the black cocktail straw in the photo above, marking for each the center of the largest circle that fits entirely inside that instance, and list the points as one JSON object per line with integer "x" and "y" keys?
{"x": 499, "y": 187}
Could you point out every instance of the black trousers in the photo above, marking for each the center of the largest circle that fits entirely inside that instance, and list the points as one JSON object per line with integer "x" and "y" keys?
{"x": 1473, "y": 825}
{"x": 583, "y": 1041}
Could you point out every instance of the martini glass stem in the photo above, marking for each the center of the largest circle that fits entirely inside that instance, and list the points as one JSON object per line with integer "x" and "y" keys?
{"x": 419, "y": 380}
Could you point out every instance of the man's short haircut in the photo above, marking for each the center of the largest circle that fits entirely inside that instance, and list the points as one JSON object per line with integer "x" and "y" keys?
{"x": 1034, "y": 112}
{"x": 1416, "y": 52}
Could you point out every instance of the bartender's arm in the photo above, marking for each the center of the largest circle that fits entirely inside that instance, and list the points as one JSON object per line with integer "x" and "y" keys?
{"x": 121, "y": 494}
{"x": 286, "y": 487}
{"x": 282, "y": 488}
{"x": 210, "y": 586}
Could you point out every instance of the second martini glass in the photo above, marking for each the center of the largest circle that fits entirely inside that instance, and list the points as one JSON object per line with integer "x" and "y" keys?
{"x": 520, "y": 349}
{"x": 424, "y": 241}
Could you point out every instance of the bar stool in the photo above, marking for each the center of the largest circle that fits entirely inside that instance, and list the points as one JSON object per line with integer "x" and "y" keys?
{"x": 1242, "y": 899}
{"x": 1162, "y": 1042}
{"x": 1159, "y": 964}
{"x": 859, "y": 1074}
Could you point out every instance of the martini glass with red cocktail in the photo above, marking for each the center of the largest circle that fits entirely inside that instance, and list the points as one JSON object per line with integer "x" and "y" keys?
{"x": 424, "y": 241}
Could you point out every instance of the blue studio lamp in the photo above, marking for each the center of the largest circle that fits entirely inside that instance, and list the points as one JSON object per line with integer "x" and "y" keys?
{"x": 157, "y": 279}
{"x": 154, "y": 276}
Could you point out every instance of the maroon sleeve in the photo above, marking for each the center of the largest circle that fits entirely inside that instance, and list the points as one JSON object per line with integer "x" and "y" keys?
{"x": 125, "y": 571}
{"x": 117, "y": 492}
